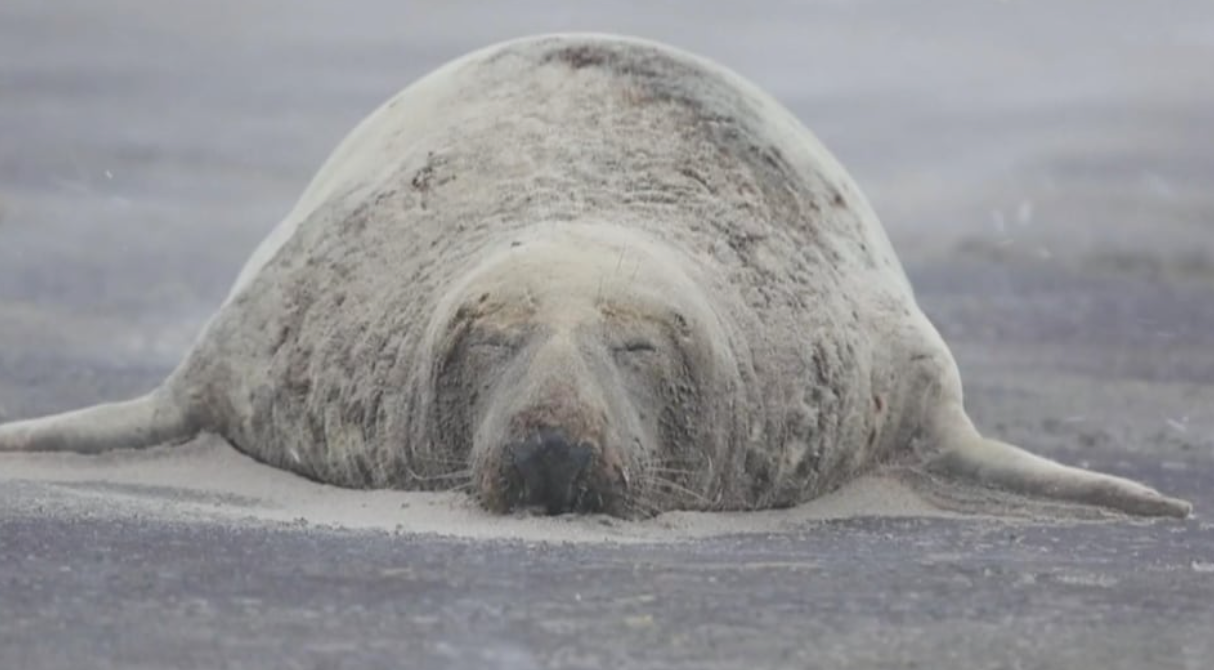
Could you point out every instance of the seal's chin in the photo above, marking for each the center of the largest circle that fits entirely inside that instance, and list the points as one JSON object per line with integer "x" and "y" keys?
{"x": 550, "y": 472}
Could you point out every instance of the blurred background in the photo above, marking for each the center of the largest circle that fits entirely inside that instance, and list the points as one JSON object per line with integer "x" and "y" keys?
{"x": 1045, "y": 170}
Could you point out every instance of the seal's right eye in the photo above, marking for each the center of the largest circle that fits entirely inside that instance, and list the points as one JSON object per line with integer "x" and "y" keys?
{"x": 493, "y": 339}
{"x": 486, "y": 350}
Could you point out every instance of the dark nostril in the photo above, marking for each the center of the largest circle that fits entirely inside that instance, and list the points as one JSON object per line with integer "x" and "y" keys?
{"x": 549, "y": 465}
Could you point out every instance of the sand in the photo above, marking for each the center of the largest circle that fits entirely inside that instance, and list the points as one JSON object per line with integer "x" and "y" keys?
{"x": 207, "y": 481}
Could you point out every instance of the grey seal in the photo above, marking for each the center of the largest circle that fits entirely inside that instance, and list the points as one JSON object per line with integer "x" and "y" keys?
{"x": 580, "y": 273}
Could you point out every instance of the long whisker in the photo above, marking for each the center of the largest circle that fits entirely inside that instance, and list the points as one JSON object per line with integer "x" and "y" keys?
{"x": 439, "y": 460}
{"x": 675, "y": 487}
{"x": 459, "y": 474}
{"x": 672, "y": 471}
{"x": 691, "y": 462}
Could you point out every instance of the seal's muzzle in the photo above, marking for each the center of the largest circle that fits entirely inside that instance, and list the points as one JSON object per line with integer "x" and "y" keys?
{"x": 546, "y": 470}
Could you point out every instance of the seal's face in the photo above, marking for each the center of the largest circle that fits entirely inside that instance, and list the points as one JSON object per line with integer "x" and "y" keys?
{"x": 574, "y": 379}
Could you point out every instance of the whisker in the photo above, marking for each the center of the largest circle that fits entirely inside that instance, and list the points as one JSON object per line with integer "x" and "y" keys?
{"x": 438, "y": 460}
{"x": 691, "y": 462}
{"x": 672, "y": 471}
{"x": 459, "y": 474}
{"x": 677, "y": 488}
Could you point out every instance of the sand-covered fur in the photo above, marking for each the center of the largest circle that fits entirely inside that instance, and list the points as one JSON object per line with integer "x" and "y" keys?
{"x": 593, "y": 242}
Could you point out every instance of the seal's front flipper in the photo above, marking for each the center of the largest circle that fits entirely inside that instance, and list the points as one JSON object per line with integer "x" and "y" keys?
{"x": 143, "y": 422}
{"x": 964, "y": 453}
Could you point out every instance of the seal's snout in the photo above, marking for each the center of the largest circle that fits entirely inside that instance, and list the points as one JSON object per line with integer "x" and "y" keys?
{"x": 547, "y": 471}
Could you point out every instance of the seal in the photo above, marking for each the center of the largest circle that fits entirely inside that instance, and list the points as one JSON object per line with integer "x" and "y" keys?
{"x": 580, "y": 273}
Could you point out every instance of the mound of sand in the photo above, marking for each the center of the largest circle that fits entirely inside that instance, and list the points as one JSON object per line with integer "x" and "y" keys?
{"x": 208, "y": 481}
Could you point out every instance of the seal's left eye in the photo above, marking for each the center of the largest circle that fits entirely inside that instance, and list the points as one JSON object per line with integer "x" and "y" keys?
{"x": 637, "y": 346}
{"x": 495, "y": 339}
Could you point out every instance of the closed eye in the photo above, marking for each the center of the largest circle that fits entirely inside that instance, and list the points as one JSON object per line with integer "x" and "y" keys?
{"x": 637, "y": 346}
{"x": 495, "y": 341}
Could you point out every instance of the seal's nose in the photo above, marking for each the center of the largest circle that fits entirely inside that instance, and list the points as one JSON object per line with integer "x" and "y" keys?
{"x": 549, "y": 465}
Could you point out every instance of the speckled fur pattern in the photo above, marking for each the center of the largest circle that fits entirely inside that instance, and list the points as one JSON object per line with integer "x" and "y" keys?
{"x": 332, "y": 356}
{"x": 322, "y": 364}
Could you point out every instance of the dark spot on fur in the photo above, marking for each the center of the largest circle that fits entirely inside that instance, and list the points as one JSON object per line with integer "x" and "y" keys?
{"x": 680, "y": 324}
{"x": 878, "y": 403}
{"x": 837, "y": 200}
{"x": 872, "y": 437}
{"x": 298, "y": 380}
{"x": 581, "y": 56}
{"x": 425, "y": 176}
{"x": 428, "y": 177}
{"x": 697, "y": 177}
{"x": 355, "y": 223}
{"x": 654, "y": 76}
{"x": 759, "y": 468}
{"x": 821, "y": 367}
{"x": 284, "y": 332}
{"x": 773, "y": 157}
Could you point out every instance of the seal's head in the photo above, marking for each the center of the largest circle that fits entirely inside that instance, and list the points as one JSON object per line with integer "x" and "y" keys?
{"x": 577, "y": 373}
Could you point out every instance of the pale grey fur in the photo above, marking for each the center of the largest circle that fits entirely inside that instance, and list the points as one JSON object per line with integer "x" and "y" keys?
{"x": 818, "y": 364}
